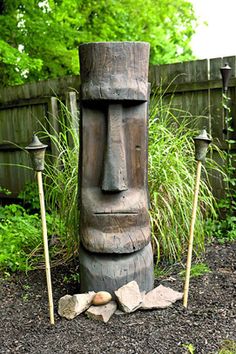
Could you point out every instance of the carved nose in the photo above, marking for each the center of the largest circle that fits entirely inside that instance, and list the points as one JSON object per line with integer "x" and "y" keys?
{"x": 115, "y": 170}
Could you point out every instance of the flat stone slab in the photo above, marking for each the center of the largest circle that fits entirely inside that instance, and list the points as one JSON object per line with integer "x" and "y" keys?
{"x": 71, "y": 306}
{"x": 160, "y": 298}
{"x": 129, "y": 297}
{"x": 103, "y": 312}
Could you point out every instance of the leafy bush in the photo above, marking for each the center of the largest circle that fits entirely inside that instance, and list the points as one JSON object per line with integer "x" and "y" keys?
{"x": 51, "y": 31}
{"x": 21, "y": 238}
{"x": 30, "y": 196}
{"x": 20, "y": 233}
{"x": 4, "y": 191}
{"x": 222, "y": 229}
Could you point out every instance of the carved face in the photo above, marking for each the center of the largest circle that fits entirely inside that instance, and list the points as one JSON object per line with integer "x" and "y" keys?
{"x": 113, "y": 165}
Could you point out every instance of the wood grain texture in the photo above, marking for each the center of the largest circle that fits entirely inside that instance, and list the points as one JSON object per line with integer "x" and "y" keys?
{"x": 37, "y": 90}
{"x": 115, "y": 171}
{"x": 114, "y": 219}
{"x": 114, "y": 71}
{"x": 19, "y": 119}
{"x": 108, "y": 272}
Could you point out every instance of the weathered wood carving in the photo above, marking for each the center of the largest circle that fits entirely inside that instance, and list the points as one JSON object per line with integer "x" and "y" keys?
{"x": 114, "y": 219}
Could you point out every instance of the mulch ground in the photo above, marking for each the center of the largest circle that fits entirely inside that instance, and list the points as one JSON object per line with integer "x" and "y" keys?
{"x": 209, "y": 320}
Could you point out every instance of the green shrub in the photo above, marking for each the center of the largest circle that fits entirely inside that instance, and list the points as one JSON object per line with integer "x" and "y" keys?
{"x": 30, "y": 196}
{"x": 4, "y": 190}
{"x": 20, "y": 233}
{"x": 223, "y": 229}
{"x": 21, "y": 241}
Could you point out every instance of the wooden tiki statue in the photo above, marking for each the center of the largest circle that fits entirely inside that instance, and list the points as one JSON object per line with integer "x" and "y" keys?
{"x": 114, "y": 219}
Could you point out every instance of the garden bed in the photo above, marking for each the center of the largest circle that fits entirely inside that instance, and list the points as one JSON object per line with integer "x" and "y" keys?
{"x": 209, "y": 321}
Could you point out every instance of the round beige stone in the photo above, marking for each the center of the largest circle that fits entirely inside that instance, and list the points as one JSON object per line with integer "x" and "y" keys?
{"x": 101, "y": 298}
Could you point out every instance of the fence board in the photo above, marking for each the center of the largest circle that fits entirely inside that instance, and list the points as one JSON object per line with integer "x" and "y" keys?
{"x": 12, "y": 176}
{"x": 44, "y": 88}
{"x": 53, "y": 118}
{"x": 72, "y": 106}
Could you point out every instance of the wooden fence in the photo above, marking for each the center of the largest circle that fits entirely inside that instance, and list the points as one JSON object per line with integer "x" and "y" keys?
{"x": 194, "y": 86}
{"x": 23, "y": 110}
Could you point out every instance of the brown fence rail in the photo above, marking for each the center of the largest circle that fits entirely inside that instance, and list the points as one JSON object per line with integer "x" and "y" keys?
{"x": 194, "y": 86}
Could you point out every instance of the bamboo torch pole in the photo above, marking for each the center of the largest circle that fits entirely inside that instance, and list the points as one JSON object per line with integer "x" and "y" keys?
{"x": 201, "y": 144}
{"x": 190, "y": 244}
{"x": 37, "y": 152}
{"x": 45, "y": 244}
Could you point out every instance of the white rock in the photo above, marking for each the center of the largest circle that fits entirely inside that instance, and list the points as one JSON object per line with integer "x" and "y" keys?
{"x": 129, "y": 297}
{"x": 71, "y": 306}
{"x": 160, "y": 298}
{"x": 103, "y": 312}
{"x": 101, "y": 298}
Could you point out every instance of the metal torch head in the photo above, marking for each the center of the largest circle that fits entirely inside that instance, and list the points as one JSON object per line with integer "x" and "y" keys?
{"x": 201, "y": 145}
{"x": 37, "y": 153}
{"x": 225, "y": 73}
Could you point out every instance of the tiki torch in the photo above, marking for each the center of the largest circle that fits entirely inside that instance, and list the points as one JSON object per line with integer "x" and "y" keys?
{"x": 226, "y": 73}
{"x": 201, "y": 144}
{"x": 37, "y": 152}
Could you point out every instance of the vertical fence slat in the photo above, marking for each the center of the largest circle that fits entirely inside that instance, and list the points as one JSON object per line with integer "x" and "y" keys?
{"x": 54, "y": 126}
{"x": 215, "y": 65}
{"x": 72, "y": 106}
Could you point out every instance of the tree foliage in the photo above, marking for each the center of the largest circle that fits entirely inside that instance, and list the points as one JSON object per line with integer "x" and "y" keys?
{"x": 39, "y": 39}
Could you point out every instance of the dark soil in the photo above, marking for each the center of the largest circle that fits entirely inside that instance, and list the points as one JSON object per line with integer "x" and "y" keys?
{"x": 209, "y": 320}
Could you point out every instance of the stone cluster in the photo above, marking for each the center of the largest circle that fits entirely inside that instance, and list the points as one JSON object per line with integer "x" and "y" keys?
{"x": 129, "y": 298}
